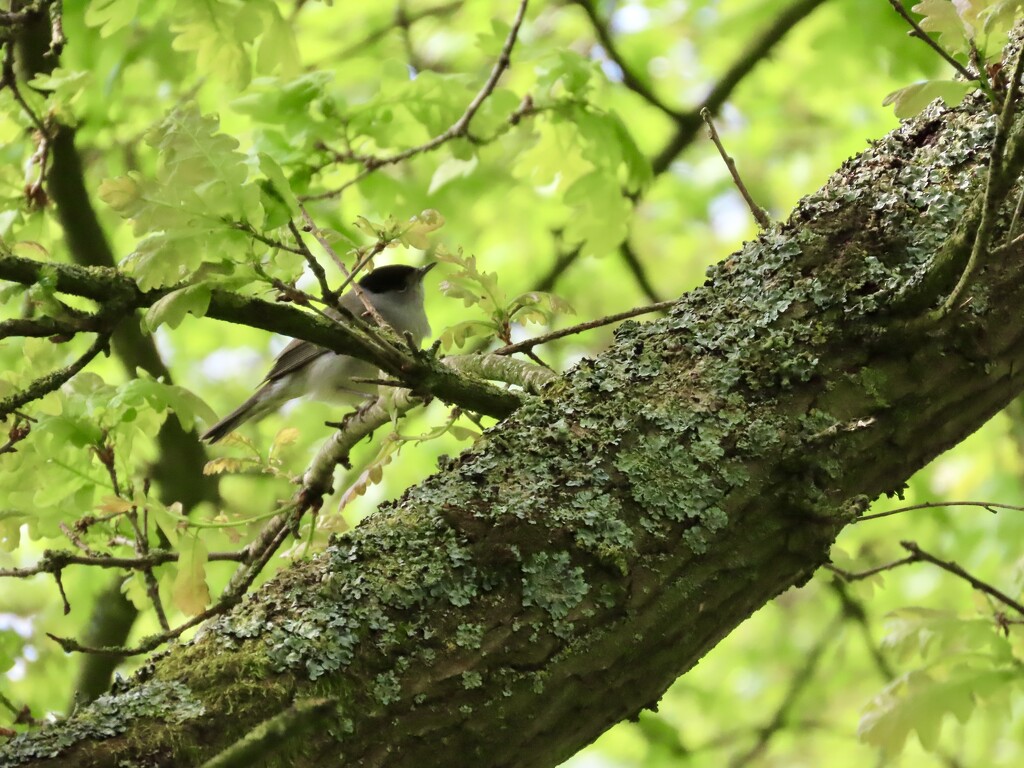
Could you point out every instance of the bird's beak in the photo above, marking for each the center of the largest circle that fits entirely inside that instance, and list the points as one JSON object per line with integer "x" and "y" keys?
{"x": 426, "y": 268}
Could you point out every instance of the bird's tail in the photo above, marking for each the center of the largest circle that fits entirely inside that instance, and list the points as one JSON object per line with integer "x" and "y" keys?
{"x": 256, "y": 407}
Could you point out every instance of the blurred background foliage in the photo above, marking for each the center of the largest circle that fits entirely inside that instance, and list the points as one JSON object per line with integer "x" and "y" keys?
{"x": 544, "y": 203}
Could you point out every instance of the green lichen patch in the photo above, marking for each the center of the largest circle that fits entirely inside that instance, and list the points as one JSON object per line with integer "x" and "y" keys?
{"x": 111, "y": 715}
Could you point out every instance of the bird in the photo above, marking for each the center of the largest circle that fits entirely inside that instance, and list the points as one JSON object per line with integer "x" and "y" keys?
{"x": 395, "y": 291}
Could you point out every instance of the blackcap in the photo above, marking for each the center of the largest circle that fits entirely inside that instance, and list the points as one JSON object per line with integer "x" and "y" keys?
{"x": 303, "y": 368}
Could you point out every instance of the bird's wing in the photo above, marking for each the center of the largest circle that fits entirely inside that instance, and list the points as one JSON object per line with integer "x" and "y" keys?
{"x": 300, "y": 353}
{"x": 296, "y": 355}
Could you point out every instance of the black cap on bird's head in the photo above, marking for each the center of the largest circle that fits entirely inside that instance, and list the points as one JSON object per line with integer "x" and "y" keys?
{"x": 394, "y": 277}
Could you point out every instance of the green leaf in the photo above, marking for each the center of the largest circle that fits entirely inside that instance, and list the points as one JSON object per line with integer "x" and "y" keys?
{"x": 566, "y": 73}
{"x": 279, "y": 183}
{"x": 160, "y": 397}
{"x": 190, "y": 592}
{"x": 490, "y": 43}
{"x": 919, "y": 702}
{"x": 449, "y": 170}
{"x": 911, "y": 100}
{"x": 456, "y": 335}
{"x": 11, "y": 644}
{"x": 187, "y": 212}
{"x": 65, "y": 89}
{"x": 600, "y": 213}
{"x": 955, "y": 24}
{"x": 463, "y": 433}
{"x": 173, "y": 307}
{"x": 277, "y": 50}
{"x": 111, "y": 15}
{"x": 415, "y": 233}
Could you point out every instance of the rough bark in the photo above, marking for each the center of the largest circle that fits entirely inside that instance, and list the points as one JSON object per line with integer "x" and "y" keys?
{"x": 559, "y": 575}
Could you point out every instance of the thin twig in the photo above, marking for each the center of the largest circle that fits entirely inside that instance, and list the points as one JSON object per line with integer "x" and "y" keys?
{"x": 629, "y": 78}
{"x": 9, "y": 80}
{"x": 253, "y": 561}
{"x": 20, "y": 429}
{"x": 759, "y": 213}
{"x": 152, "y": 642}
{"x": 920, "y": 34}
{"x": 639, "y": 273}
{"x": 854, "y": 610}
{"x": 989, "y": 505}
{"x": 46, "y": 384}
{"x": 57, "y": 39}
{"x": 956, "y": 570}
{"x": 458, "y": 129}
{"x": 983, "y": 235}
{"x": 330, "y": 297}
{"x": 247, "y": 228}
{"x": 445, "y": 9}
{"x": 367, "y": 304}
{"x": 688, "y": 123}
{"x": 57, "y": 560}
{"x": 152, "y": 585}
{"x": 374, "y": 251}
{"x": 526, "y": 344}
{"x": 861, "y": 575}
{"x": 75, "y": 539}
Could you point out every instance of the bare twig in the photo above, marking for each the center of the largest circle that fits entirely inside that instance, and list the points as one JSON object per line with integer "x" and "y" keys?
{"x": 9, "y": 80}
{"x": 1011, "y": 231}
{"x": 244, "y": 226}
{"x": 410, "y": 18}
{"x": 688, "y": 123}
{"x": 20, "y": 429}
{"x": 57, "y": 39}
{"x": 918, "y": 555}
{"x": 330, "y": 297}
{"x": 375, "y": 250}
{"x": 581, "y": 327}
{"x": 983, "y": 235}
{"x": 759, "y": 213}
{"x": 57, "y": 560}
{"x": 854, "y": 611}
{"x": 632, "y": 260}
{"x": 75, "y": 539}
{"x": 152, "y": 586}
{"x": 153, "y": 641}
{"x": 989, "y": 505}
{"x": 253, "y": 559}
{"x": 367, "y": 304}
{"x": 629, "y": 78}
{"x": 850, "y": 576}
{"x": 947, "y": 565}
{"x": 458, "y": 129}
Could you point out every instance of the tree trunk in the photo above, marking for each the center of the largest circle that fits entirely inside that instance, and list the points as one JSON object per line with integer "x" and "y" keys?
{"x": 560, "y": 574}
